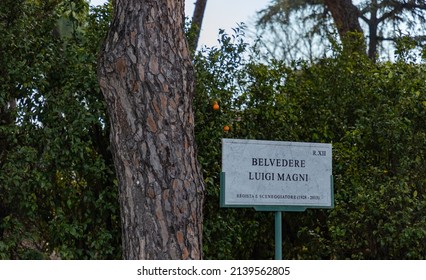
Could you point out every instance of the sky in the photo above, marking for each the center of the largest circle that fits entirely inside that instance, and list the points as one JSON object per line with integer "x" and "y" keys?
{"x": 220, "y": 14}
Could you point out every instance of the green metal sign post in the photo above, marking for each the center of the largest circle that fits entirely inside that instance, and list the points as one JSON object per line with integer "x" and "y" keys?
{"x": 278, "y": 235}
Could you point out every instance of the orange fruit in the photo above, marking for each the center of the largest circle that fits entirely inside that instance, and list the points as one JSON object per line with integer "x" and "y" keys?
{"x": 226, "y": 128}
{"x": 215, "y": 106}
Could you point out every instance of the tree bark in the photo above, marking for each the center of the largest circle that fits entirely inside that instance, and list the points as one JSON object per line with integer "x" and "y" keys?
{"x": 147, "y": 79}
{"x": 372, "y": 30}
{"x": 197, "y": 22}
{"x": 345, "y": 15}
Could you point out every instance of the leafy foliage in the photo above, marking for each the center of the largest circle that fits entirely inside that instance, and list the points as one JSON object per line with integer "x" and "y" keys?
{"x": 58, "y": 196}
{"x": 374, "y": 116}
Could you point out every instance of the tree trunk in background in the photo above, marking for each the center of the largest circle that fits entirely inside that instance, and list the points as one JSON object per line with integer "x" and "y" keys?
{"x": 373, "y": 24}
{"x": 197, "y": 22}
{"x": 146, "y": 76}
{"x": 346, "y": 18}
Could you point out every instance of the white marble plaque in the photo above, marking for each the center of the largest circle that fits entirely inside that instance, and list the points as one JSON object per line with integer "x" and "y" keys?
{"x": 276, "y": 173}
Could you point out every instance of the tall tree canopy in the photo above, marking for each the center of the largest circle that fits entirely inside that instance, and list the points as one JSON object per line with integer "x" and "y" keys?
{"x": 379, "y": 21}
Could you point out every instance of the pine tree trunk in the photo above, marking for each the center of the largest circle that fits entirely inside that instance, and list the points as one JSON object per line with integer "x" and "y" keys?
{"x": 197, "y": 22}
{"x": 147, "y": 78}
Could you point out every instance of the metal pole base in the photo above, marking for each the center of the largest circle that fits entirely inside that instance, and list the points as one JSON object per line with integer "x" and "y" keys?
{"x": 278, "y": 236}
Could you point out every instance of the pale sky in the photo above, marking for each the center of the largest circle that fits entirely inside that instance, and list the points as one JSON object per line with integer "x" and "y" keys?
{"x": 220, "y": 14}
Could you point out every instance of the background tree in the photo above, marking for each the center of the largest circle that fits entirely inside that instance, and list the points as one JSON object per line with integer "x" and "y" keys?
{"x": 146, "y": 75}
{"x": 196, "y": 24}
{"x": 381, "y": 21}
{"x": 345, "y": 16}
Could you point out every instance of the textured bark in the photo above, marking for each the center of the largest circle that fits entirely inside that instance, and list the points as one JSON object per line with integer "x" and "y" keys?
{"x": 345, "y": 15}
{"x": 346, "y": 18}
{"x": 146, "y": 76}
{"x": 197, "y": 22}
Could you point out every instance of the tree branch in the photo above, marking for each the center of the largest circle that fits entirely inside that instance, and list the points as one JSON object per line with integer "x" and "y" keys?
{"x": 400, "y": 7}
